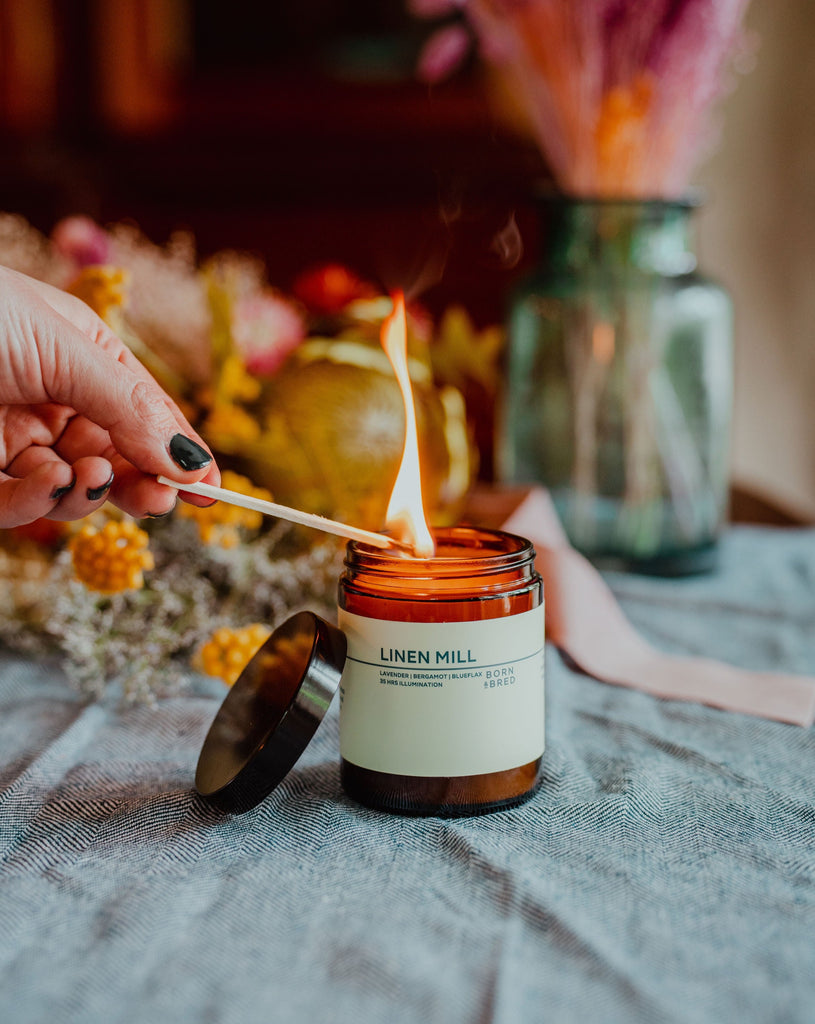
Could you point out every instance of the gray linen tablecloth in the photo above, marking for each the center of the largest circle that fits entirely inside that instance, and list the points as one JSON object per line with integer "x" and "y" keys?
{"x": 664, "y": 872}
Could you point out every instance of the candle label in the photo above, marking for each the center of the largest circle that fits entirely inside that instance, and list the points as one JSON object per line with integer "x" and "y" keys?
{"x": 443, "y": 698}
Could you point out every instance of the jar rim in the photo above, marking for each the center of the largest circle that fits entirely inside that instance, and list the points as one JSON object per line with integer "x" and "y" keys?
{"x": 482, "y": 551}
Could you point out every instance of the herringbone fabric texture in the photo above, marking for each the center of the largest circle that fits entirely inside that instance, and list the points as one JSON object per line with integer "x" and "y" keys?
{"x": 664, "y": 872}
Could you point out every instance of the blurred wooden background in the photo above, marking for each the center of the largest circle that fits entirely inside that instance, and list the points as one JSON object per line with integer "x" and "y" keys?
{"x": 296, "y": 131}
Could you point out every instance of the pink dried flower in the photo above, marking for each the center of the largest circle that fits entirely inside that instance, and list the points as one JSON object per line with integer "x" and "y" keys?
{"x": 444, "y": 53}
{"x": 266, "y": 328}
{"x": 616, "y": 92}
{"x": 82, "y": 241}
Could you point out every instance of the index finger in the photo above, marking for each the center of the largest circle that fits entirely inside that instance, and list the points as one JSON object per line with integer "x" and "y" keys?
{"x": 96, "y": 330}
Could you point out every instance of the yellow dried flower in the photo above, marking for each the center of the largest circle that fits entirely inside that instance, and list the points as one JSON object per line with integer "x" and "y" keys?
{"x": 229, "y": 650}
{"x": 462, "y": 353}
{"x": 103, "y": 288}
{"x": 113, "y": 558}
{"x": 219, "y": 523}
{"x": 234, "y": 383}
{"x": 230, "y": 427}
{"x": 624, "y": 132}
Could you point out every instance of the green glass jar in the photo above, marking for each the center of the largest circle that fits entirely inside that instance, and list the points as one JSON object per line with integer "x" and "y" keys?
{"x": 618, "y": 384}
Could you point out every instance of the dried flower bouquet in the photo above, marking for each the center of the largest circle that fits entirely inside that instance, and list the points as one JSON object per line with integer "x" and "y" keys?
{"x": 136, "y": 604}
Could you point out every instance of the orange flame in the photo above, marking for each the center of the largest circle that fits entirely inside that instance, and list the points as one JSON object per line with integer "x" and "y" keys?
{"x": 405, "y": 516}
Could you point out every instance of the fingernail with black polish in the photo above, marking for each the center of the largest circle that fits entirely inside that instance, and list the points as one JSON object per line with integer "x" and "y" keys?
{"x": 158, "y": 515}
{"x": 188, "y": 454}
{"x": 59, "y": 492}
{"x": 94, "y": 493}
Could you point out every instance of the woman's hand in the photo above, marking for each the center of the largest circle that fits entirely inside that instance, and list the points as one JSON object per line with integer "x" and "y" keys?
{"x": 81, "y": 420}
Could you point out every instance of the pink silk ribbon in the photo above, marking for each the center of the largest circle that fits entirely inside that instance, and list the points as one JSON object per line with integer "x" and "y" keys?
{"x": 585, "y": 621}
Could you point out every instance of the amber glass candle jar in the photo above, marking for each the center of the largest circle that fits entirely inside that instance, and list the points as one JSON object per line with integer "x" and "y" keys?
{"x": 442, "y": 696}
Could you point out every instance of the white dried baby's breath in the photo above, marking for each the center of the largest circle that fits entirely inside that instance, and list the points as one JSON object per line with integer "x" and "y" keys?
{"x": 141, "y": 642}
{"x": 27, "y": 250}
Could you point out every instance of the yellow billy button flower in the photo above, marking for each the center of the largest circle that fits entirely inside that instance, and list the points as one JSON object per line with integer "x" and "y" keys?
{"x": 219, "y": 523}
{"x": 113, "y": 558}
{"x": 229, "y": 650}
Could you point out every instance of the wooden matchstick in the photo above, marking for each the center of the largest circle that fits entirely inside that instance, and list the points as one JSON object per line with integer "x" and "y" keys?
{"x": 292, "y": 515}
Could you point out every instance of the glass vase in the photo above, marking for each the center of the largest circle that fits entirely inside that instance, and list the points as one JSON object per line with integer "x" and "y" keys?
{"x": 618, "y": 384}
